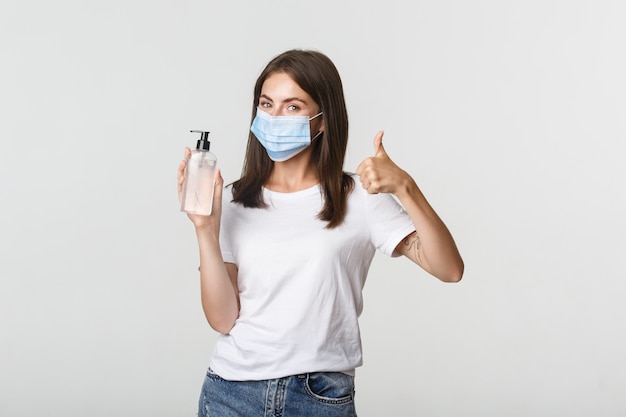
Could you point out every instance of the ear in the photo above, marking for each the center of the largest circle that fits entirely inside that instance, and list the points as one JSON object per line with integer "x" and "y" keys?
{"x": 322, "y": 125}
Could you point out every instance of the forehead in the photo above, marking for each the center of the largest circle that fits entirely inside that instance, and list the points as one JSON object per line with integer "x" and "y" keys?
{"x": 279, "y": 86}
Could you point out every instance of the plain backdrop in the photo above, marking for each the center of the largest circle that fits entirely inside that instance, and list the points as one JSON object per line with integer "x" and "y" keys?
{"x": 510, "y": 115}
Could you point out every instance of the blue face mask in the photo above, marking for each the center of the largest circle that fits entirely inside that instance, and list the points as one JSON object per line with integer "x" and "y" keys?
{"x": 283, "y": 136}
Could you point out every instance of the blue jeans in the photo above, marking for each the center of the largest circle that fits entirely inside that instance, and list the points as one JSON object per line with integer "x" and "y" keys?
{"x": 320, "y": 394}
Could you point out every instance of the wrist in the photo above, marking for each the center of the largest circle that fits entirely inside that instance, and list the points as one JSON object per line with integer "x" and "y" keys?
{"x": 208, "y": 231}
{"x": 406, "y": 187}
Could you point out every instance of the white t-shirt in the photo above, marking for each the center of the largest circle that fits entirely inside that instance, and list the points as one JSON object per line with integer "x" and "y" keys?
{"x": 300, "y": 284}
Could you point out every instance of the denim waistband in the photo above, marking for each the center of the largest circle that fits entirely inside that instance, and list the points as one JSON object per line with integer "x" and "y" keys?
{"x": 320, "y": 394}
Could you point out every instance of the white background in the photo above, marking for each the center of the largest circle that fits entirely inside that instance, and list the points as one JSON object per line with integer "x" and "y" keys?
{"x": 509, "y": 114}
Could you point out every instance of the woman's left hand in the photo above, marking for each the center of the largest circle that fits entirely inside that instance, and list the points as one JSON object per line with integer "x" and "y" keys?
{"x": 379, "y": 174}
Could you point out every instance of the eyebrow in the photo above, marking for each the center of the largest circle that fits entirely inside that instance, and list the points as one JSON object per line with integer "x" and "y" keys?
{"x": 284, "y": 101}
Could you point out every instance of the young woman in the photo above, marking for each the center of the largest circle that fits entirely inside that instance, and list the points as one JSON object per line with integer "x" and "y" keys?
{"x": 285, "y": 253}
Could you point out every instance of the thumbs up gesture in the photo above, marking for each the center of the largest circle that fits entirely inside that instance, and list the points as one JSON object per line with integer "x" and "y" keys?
{"x": 378, "y": 173}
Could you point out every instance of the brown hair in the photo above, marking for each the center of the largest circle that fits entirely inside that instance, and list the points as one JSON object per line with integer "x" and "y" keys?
{"x": 316, "y": 74}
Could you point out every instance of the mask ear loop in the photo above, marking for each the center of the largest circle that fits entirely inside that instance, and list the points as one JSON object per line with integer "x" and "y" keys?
{"x": 319, "y": 132}
{"x": 315, "y": 137}
{"x": 311, "y": 118}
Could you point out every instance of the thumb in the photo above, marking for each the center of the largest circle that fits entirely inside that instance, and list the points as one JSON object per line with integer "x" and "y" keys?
{"x": 379, "y": 150}
{"x": 219, "y": 187}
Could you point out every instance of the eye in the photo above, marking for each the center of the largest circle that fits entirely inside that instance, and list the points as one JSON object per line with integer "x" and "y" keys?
{"x": 265, "y": 104}
{"x": 293, "y": 107}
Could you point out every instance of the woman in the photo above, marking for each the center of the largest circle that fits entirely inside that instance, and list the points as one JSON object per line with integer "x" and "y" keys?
{"x": 285, "y": 253}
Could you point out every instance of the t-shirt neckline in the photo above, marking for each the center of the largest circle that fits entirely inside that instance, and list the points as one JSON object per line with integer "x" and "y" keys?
{"x": 295, "y": 194}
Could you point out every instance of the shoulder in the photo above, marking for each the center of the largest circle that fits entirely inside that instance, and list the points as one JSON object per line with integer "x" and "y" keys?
{"x": 359, "y": 194}
{"x": 227, "y": 194}
{"x": 228, "y": 203}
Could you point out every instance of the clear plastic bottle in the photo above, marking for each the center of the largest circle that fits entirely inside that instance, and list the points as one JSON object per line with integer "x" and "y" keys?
{"x": 197, "y": 196}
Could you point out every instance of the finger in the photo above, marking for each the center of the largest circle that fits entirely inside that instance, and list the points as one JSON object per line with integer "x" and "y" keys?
{"x": 181, "y": 176}
{"x": 183, "y": 164}
{"x": 181, "y": 169}
{"x": 219, "y": 181}
{"x": 379, "y": 150}
{"x": 359, "y": 169}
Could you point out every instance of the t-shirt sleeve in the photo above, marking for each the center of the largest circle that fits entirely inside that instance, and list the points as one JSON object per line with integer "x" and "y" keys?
{"x": 388, "y": 222}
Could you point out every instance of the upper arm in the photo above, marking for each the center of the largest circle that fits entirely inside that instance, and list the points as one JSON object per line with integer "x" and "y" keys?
{"x": 233, "y": 273}
{"x": 411, "y": 247}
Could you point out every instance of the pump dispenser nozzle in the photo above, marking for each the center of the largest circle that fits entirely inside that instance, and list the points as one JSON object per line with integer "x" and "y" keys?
{"x": 203, "y": 142}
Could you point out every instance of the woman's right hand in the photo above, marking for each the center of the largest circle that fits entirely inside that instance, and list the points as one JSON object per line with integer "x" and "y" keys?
{"x": 200, "y": 221}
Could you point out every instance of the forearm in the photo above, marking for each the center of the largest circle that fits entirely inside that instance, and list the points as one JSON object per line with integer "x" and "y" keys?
{"x": 436, "y": 250}
{"x": 220, "y": 298}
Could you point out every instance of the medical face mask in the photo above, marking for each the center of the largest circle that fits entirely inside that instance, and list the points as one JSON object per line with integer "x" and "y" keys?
{"x": 282, "y": 136}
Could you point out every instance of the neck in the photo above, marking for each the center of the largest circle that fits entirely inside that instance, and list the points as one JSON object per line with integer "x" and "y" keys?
{"x": 293, "y": 175}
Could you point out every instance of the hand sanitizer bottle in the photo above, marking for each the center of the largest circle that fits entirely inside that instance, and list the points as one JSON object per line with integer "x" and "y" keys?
{"x": 197, "y": 196}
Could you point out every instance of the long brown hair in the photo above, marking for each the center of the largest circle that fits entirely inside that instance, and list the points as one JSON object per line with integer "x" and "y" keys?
{"x": 316, "y": 74}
